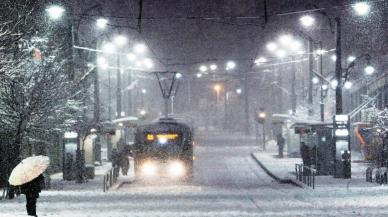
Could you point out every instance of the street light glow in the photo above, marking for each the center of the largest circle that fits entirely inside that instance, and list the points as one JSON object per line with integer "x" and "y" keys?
{"x": 361, "y": 8}
{"x": 281, "y": 53}
{"x": 148, "y": 63}
{"x": 230, "y": 65}
{"x": 213, "y": 67}
{"x": 101, "y": 61}
{"x": 178, "y": 75}
{"x": 351, "y": 58}
{"x": 285, "y": 39}
{"x": 109, "y": 48}
{"x": 55, "y": 12}
{"x": 334, "y": 84}
{"x": 203, "y": 68}
{"x": 238, "y": 91}
{"x": 260, "y": 60}
{"x": 120, "y": 40}
{"x": 199, "y": 75}
{"x": 131, "y": 57}
{"x": 217, "y": 87}
{"x": 295, "y": 45}
{"x": 321, "y": 52}
{"x": 272, "y": 46}
{"x": 101, "y": 23}
{"x": 307, "y": 20}
{"x": 324, "y": 87}
{"x": 143, "y": 91}
{"x": 315, "y": 80}
{"x": 348, "y": 85}
{"x": 369, "y": 70}
{"x": 140, "y": 48}
{"x": 333, "y": 57}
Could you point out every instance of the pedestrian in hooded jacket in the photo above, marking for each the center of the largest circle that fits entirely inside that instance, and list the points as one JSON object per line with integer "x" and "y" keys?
{"x": 31, "y": 190}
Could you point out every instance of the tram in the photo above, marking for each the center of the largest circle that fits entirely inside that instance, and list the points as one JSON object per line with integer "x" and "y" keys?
{"x": 164, "y": 148}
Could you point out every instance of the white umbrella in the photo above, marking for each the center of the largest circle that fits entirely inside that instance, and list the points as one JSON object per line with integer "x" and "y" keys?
{"x": 28, "y": 169}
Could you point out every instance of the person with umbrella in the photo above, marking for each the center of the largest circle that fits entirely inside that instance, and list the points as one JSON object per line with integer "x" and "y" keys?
{"x": 31, "y": 190}
{"x": 28, "y": 176}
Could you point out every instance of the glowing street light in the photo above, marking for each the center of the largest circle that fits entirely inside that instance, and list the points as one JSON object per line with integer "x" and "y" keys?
{"x": 101, "y": 23}
{"x": 334, "y": 84}
{"x": 213, "y": 67}
{"x": 143, "y": 91}
{"x": 203, "y": 68}
{"x": 369, "y": 70}
{"x": 321, "y": 52}
{"x": 295, "y": 45}
{"x": 361, "y": 8}
{"x": 324, "y": 87}
{"x": 348, "y": 85}
{"x": 315, "y": 80}
{"x": 260, "y": 60}
{"x": 178, "y": 75}
{"x": 131, "y": 57}
{"x": 199, "y": 75}
{"x": 272, "y": 46}
{"x": 285, "y": 39}
{"x": 55, "y": 12}
{"x": 230, "y": 65}
{"x": 120, "y": 40}
{"x": 238, "y": 91}
{"x": 140, "y": 48}
{"x": 281, "y": 53}
{"x": 351, "y": 58}
{"x": 148, "y": 63}
{"x": 101, "y": 61}
{"x": 217, "y": 88}
{"x": 333, "y": 57}
{"x": 307, "y": 20}
{"x": 109, "y": 48}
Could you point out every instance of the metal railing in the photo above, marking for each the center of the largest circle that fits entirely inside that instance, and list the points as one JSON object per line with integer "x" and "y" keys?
{"x": 305, "y": 174}
{"x": 110, "y": 178}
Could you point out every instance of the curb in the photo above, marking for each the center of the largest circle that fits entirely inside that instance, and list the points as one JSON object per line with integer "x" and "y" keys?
{"x": 273, "y": 176}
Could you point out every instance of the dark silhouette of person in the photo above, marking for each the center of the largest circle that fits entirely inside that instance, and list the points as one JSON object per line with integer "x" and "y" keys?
{"x": 280, "y": 142}
{"x": 124, "y": 161}
{"x": 31, "y": 190}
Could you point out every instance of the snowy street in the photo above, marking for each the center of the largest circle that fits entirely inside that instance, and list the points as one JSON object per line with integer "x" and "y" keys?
{"x": 227, "y": 182}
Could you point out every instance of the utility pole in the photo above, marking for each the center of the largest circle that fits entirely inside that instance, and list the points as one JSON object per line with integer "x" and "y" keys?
{"x": 338, "y": 67}
{"x": 140, "y": 16}
{"x": 225, "y": 105}
{"x": 130, "y": 104}
{"x": 97, "y": 149}
{"x": 118, "y": 87}
{"x": 320, "y": 71}
{"x": 246, "y": 104}
{"x": 293, "y": 81}
{"x": 310, "y": 84}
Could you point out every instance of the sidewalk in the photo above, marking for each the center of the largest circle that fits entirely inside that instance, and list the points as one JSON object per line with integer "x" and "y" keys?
{"x": 283, "y": 170}
{"x": 96, "y": 184}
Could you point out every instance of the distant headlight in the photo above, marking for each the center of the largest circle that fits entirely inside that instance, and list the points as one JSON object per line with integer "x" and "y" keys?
{"x": 149, "y": 168}
{"x": 176, "y": 169}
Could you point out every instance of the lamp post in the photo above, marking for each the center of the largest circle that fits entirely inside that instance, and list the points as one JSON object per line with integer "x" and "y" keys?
{"x": 261, "y": 118}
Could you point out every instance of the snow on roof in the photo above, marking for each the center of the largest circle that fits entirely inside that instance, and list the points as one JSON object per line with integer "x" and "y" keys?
{"x": 125, "y": 119}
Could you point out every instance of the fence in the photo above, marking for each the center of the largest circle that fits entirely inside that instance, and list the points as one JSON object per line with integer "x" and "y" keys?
{"x": 110, "y": 178}
{"x": 305, "y": 174}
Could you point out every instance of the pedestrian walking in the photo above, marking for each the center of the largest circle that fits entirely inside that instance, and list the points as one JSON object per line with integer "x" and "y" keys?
{"x": 280, "y": 142}
{"x": 31, "y": 190}
{"x": 27, "y": 175}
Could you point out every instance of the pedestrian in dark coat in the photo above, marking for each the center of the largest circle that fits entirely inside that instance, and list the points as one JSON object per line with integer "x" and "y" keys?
{"x": 31, "y": 190}
{"x": 281, "y": 142}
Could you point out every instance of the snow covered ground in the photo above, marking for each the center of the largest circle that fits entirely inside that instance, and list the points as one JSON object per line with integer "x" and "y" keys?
{"x": 227, "y": 182}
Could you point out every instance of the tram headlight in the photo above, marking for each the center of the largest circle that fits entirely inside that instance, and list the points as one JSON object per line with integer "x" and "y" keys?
{"x": 176, "y": 169}
{"x": 149, "y": 168}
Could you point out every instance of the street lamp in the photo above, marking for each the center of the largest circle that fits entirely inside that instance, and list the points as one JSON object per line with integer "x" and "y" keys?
{"x": 213, "y": 67}
{"x": 120, "y": 40}
{"x": 369, "y": 70}
{"x": 351, "y": 58}
{"x": 272, "y": 46}
{"x": 281, "y": 53}
{"x": 148, "y": 63}
{"x": 108, "y": 47}
{"x": 55, "y": 12}
{"x": 178, "y": 75}
{"x": 285, "y": 39}
{"x": 199, "y": 75}
{"x": 315, "y": 80}
{"x": 140, "y": 48}
{"x": 131, "y": 57}
{"x": 361, "y": 8}
{"x": 203, "y": 68}
{"x": 230, "y": 65}
{"x": 348, "y": 85}
{"x": 307, "y": 20}
{"x": 238, "y": 91}
{"x": 217, "y": 88}
{"x": 102, "y": 23}
{"x": 260, "y": 61}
